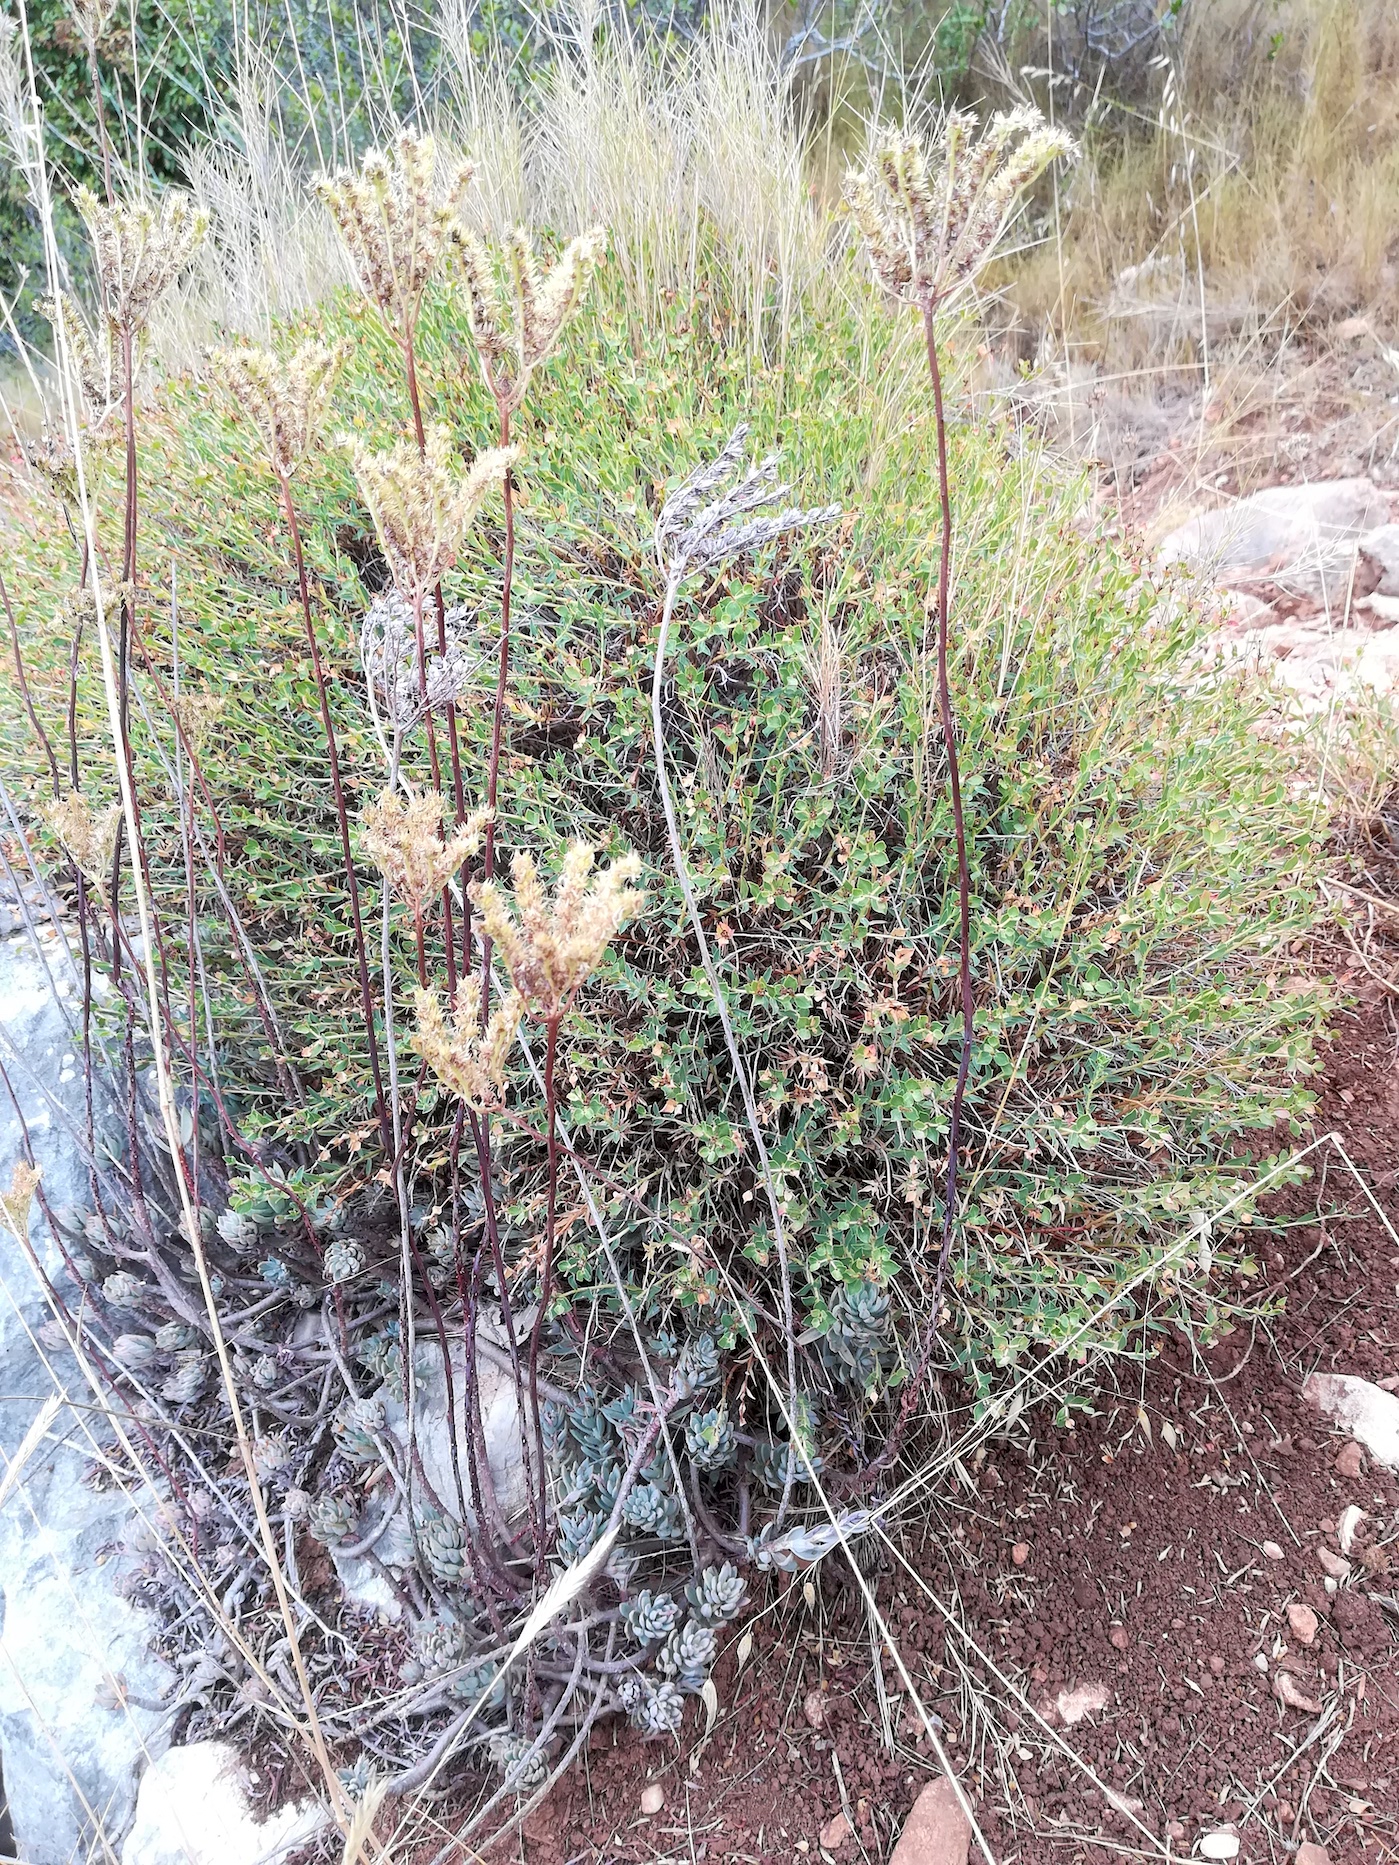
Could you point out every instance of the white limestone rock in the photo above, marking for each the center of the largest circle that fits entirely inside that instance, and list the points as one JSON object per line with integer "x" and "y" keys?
{"x": 1303, "y": 538}
{"x": 195, "y": 1809}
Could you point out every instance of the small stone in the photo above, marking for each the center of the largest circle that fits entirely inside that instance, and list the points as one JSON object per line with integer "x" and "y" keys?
{"x": 1219, "y": 1845}
{"x": 1310, "y": 1853}
{"x": 1291, "y": 1697}
{"x": 1334, "y": 1565}
{"x": 652, "y": 1798}
{"x": 1351, "y": 1518}
{"x": 936, "y": 1831}
{"x": 1301, "y": 1622}
{"x": 1174, "y": 1830}
{"x": 1020, "y": 1553}
{"x": 1272, "y": 1551}
{"x": 1117, "y": 1638}
{"x": 1084, "y": 1700}
{"x": 1363, "y": 1409}
{"x": 814, "y": 1708}
{"x": 1217, "y": 1664}
{"x": 835, "y": 1832}
{"x": 1350, "y": 1461}
{"x": 1260, "y": 1661}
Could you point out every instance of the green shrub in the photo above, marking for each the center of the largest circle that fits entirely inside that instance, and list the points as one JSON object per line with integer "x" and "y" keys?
{"x": 1138, "y": 864}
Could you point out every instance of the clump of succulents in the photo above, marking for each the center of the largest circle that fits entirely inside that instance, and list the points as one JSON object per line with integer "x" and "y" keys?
{"x": 858, "y": 1347}
{"x": 442, "y": 1543}
{"x": 356, "y": 1426}
{"x": 333, "y": 1518}
{"x": 718, "y": 1595}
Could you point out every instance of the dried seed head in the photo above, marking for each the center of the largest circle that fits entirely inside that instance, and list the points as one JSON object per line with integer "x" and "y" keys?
{"x": 90, "y": 836}
{"x": 388, "y": 652}
{"x": 16, "y": 1202}
{"x": 423, "y": 507}
{"x": 718, "y": 512}
{"x": 92, "y": 355}
{"x": 396, "y": 214}
{"x": 519, "y": 310}
{"x": 470, "y": 1060}
{"x": 929, "y": 229}
{"x": 553, "y": 947}
{"x": 92, "y": 17}
{"x": 196, "y": 715}
{"x": 403, "y": 839}
{"x": 139, "y": 251}
{"x": 286, "y": 400}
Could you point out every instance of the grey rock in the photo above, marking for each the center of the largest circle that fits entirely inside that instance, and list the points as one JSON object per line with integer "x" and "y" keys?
{"x": 1302, "y": 538}
{"x": 70, "y": 1645}
{"x": 1381, "y": 546}
{"x": 195, "y": 1809}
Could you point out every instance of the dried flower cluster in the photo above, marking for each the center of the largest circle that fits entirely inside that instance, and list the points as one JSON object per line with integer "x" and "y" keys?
{"x": 15, "y": 1203}
{"x": 90, "y": 836}
{"x": 404, "y": 841}
{"x": 396, "y": 215}
{"x": 285, "y": 400}
{"x": 139, "y": 250}
{"x": 92, "y": 17}
{"x": 517, "y": 310}
{"x": 706, "y": 519}
{"x": 470, "y": 1060}
{"x": 928, "y": 233}
{"x": 422, "y": 505}
{"x": 388, "y": 652}
{"x": 91, "y": 355}
{"x": 553, "y": 947}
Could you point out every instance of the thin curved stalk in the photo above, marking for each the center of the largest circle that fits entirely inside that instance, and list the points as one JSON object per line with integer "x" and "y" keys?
{"x": 740, "y": 1067}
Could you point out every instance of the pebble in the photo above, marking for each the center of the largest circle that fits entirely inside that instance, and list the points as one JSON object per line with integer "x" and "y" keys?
{"x": 1174, "y": 1830}
{"x": 1351, "y": 1518}
{"x": 1301, "y": 1622}
{"x": 1117, "y": 1638}
{"x": 1219, "y": 1845}
{"x": 1272, "y": 1551}
{"x": 1310, "y": 1853}
{"x": 835, "y": 1832}
{"x": 814, "y": 1708}
{"x": 1334, "y": 1565}
{"x": 1020, "y": 1553}
{"x": 1350, "y": 1460}
{"x": 1291, "y": 1697}
{"x": 936, "y": 1831}
{"x": 1260, "y": 1661}
{"x": 652, "y": 1798}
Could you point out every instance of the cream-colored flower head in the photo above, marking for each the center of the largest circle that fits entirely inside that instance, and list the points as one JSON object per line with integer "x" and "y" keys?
{"x": 403, "y": 838}
{"x": 286, "y": 400}
{"x": 15, "y": 1204}
{"x": 930, "y": 227}
{"x": 554, "y": 946}
{"x": 423, "y": 506}
{"x": 518, "y": 310}
{"x": 396, "y": 213}
{"x": 470, "y": 1060}
{"x": 139, "y": 250}
{"x": 90, "y": 836}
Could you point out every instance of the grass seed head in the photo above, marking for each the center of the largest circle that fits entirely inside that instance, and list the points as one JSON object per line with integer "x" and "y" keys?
{"x": 196, "y": 715}
{"x": 139, "y": 249}
{"x": 285, "y": 400}
{"x": 423, "y": 506}
{"x": 469, "y": 1060}
{"x": 396, "y": 214}
{"x": 930, "y": 227}
{"x": 90, "y": 836}
{"x": 518, "y": 309}
{"x": 552, "y": 948}
{"x": 403, "y": 838}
